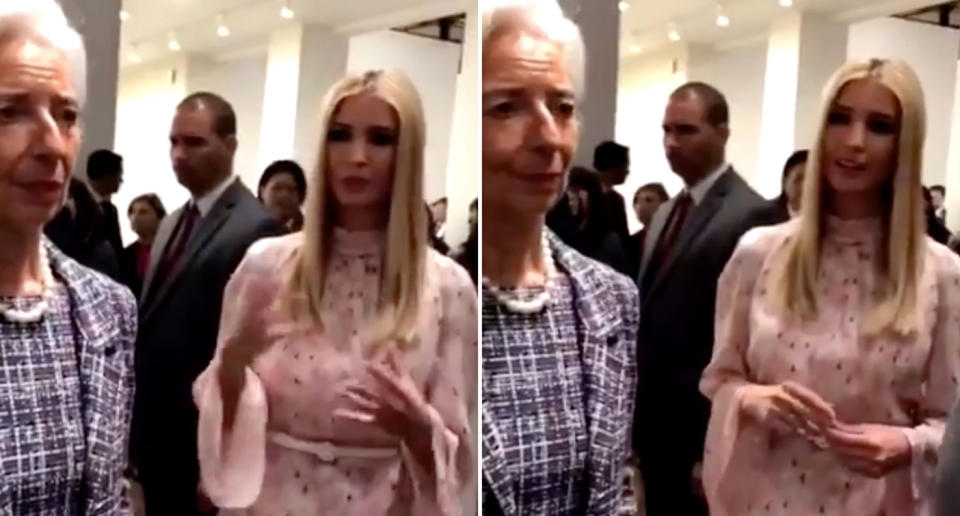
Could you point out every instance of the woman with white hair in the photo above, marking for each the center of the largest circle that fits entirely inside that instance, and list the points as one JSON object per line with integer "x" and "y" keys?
{"x": 66, "y": 332}
{"x": 347, "y": 356}
{"x": 559, "y": 329}
{"x": 837, "y": 353}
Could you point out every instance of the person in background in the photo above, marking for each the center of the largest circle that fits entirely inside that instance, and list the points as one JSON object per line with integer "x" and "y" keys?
{"x": 66, "y": 332}
{"x": 433, "y": 233}
{"x": 347, "y": 357}
{"x": 646, "y": 200}
{"x": 939, "y": 196}
{"x": 559, "y": 329}
{"x": 195, "y": 252}
{"x": 145, "y": 214}
{"x": 467, "y": 255}
{"x": 78, "y": 230}
{"x": 612, "y": 163}
{"x": 593, "y": 233}
{"x": 105, "y": 175}
{"x": 836, "y": 357}
{"x": 282, "y": 190}
{"x": 690, "y": 239}
{"x": 935, "y": 227}
{"x": 787, "y": 205}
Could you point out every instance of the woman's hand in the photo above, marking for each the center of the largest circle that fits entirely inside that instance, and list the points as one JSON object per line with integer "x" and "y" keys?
{"x": 397, "y": 406}
{"x": 871, "y": 450}
{"x": 789, "y": 408}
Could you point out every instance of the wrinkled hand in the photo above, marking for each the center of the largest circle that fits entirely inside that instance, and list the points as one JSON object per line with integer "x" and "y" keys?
{"x": 871, "y": 450}
{"x": 789, "y": 408}
{"x": 396, "y": 405}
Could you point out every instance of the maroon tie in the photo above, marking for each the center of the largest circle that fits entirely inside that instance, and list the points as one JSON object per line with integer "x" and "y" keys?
{"x": 177, "y": 243}
{"x": 668, "y": 237}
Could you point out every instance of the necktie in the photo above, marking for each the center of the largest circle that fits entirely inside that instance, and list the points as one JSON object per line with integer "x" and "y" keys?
{"x": 177, "y": 243}
{"x": 668, "y": 238}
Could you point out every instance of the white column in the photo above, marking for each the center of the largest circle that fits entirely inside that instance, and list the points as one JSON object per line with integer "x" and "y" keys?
{"x": 99, "y": 24}
{"x": 323, "y": 61}
{"x": 463, "y": 171}
{"x": 599, "y": 23}
{"x": 779, "y": 103}
{"x": 280, "y": 95}
{"x": 819, "y": 59}
{"x": 952, "y": 179}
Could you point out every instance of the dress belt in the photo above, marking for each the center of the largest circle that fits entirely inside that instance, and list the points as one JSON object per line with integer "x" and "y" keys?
{"x": 327, "y": 451}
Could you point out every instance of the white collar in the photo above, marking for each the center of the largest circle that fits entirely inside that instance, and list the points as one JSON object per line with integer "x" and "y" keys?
{"x": 699, "y": 191}
{"x": 205, "y": 202}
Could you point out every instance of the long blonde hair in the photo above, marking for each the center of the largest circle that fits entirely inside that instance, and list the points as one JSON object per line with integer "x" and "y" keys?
{"x": 902, "y": 255}
{"x": 402, "y": 277}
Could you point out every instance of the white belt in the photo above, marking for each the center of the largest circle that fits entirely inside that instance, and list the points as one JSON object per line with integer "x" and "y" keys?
{"x": 327, "y": 451}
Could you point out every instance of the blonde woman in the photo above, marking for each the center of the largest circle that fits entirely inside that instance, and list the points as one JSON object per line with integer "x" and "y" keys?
{"x": 836, "y": 355}
{"x": 346, "y": 361}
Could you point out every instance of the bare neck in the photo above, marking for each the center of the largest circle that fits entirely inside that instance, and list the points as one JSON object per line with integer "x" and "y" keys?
{"x": 363, "y": 218}
{"x": 851, "y": 206}
{"x": 512, "y": 250}
{"x": 20, "y": 272}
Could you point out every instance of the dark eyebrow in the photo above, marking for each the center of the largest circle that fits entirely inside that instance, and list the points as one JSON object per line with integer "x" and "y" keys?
{"x": 60, "y": 100}
{"x": 879, "y": 114}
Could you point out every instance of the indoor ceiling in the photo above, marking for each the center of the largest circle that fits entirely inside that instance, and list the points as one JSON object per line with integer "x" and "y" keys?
{"x": 149, "y": 25}
{"x": 645, "y": 25}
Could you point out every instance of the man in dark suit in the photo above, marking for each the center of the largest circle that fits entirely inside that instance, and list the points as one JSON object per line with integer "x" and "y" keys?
{"x": 105, "y": 175}
{"x": 196, "y": 250}
{"x": 690, "y": 239}
{"x": 612, "y": 163}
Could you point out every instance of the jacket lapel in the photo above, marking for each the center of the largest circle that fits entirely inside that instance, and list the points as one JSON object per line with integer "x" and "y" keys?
{"x": 156, "y": 251}
{"x": 694, "y": 225}
{"x": 206, "y": 228}
{"x": 653, "y": 235}
{"x": 96, "y": 345}
{"x": 598, "y": 316}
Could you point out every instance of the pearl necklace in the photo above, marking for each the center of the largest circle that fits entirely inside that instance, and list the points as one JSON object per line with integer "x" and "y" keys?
{"x": 34, "y": 314}
{"x": 513, "y": 299}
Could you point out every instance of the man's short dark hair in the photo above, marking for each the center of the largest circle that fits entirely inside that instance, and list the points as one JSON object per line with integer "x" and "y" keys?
{"x": 610, "y": 154}
{"x": 103, "y": 163}
{"x": 654, "y": 188}
{"x": 939, "y": 188}
{"x": 224, "y": 118}
{"x": 714, "y": 103}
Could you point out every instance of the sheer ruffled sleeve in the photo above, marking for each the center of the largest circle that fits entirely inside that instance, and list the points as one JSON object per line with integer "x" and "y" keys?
{"x": 232, "y": 460}
{"x": 452, "y": 397}
{"x": 943, "y": 370}
{"x": 727, "y": 372}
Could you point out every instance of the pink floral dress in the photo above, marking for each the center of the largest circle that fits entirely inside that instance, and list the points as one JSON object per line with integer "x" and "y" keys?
{"x": 286, "y": 453}
{"x": 909, "y": 382}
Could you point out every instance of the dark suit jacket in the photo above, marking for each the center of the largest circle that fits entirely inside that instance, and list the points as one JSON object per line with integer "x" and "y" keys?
{"x": 128, "y": 268}
{"x": 179, "y": 318}
{"x": 676, "y": 327}
{"x": 617, "y": 215}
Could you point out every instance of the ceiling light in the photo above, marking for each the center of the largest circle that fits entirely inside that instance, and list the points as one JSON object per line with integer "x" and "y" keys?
{"x": 623, "y": 6}
{"x": 673, "y": 35}
{"x": 286, "y": 12}
{"x": 222, "y": 29}
{"x": 722, "y": 19}
{"x": 135, "y": 58}
{"x": 786, "y": 3}
{"x": 173, "y": 44}
{"x": 635, "y": 49}
{"x": 124, "y": 16}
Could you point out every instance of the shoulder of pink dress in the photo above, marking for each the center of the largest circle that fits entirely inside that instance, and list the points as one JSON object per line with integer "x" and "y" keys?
{"x": 275, "y": 248}
{"x": 945, "y": 262}
{"x": 445, "y": 272}
{"x": 765, "y": 238}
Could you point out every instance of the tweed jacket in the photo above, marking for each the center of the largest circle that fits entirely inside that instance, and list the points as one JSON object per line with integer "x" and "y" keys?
{"x": 105, "y": 314}
{"x": 607, "y": 312}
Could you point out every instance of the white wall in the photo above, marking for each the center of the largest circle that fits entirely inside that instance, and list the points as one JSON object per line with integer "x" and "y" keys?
{"x": 463, "y": 163}
{"x": 147, "y": 98}
{"x": 932, "y": 52}
{"x": 432, "y": 65}
{"x": 241, "y": 83}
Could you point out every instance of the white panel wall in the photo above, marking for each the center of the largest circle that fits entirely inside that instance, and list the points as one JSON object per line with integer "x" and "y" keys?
{"x": 932, "y": 52}
{"x": 432, "y": 66}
